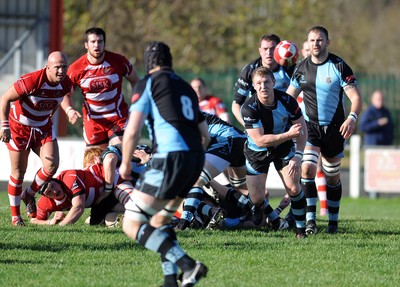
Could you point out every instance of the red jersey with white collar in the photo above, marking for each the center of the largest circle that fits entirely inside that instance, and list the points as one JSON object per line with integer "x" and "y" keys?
{"x": 101, "y": 85}
{"x": 88, "y": 181}
{"x": 39, "y": 99}
{"x": 213, "y": 105}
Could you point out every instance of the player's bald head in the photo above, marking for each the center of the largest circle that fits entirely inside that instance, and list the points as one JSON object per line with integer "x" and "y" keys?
{"x": 57, "y": 56}
{"x": 57, "y": 66}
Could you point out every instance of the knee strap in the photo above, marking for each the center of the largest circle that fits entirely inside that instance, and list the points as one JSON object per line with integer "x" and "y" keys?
{"x": 331, "y": 168}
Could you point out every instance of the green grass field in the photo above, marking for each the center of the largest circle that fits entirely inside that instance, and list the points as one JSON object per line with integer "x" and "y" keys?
{"x": 365, "y": 253}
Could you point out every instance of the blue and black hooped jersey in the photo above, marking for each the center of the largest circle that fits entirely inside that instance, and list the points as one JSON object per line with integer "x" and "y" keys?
{"x": 244, "y": 85}
{"x": 322, "y": 86}
{"x": 220, "y": 131}
{"x": 273, "y": 119}
{"x": 172, "y": 110}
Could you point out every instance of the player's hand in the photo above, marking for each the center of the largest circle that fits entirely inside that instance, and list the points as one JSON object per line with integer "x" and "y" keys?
{"x": 383, "y": 121}
{"x": 73, "y": 116}
{"x": 5, "y": 135}
{"x": 347, "y": 128}
{"x": 142, "y": 155}
{"x": 58, "y": 216}
{"x": 295, "y": 130}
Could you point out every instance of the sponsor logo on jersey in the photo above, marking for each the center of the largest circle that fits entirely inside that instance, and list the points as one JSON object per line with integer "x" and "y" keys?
{"x": 74, "y": 185}
{"x": 248, "y": 119}
{"x": 99, "y": 85}
{"x": 45, "y": 105}
{"x": 243, "y": 83}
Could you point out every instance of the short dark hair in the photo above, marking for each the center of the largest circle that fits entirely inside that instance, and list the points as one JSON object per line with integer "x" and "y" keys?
{"x": 157, "y": 54}
{"x": 44, "y": 186}
{"x": 200, "y": 80}
{"x": 96, "y": 31}
{"x": 320, "y": 29}
{"x": 269, "y": 37}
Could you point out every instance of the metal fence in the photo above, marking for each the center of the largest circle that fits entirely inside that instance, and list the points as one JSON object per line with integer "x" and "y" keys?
{"x": 23, "y": 57}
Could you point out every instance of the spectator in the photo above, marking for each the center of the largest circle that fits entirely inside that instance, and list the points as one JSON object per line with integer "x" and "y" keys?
{"x": 376, "y": 122}
{"x": 208, "y": 103}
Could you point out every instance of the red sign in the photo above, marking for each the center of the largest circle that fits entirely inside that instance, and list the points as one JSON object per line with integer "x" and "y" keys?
{"x": 382, "y": 170}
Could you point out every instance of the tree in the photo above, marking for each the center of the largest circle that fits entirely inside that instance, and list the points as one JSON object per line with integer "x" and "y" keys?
{"x": 218, "y": 35}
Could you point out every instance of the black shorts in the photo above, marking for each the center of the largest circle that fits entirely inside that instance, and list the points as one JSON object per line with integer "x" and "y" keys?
{"x": 232, "y": 152}
{"x": 99, "y": 211}
{"x": 327, "y": 138}
{"x": 171, "y": 175}
{"x": 259, "y": 161}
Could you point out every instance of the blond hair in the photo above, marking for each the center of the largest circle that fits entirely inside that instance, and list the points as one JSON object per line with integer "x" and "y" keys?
{"x": 90, "y": 155}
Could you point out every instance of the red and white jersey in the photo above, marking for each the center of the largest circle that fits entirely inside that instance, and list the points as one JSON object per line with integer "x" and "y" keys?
{"x": 213, "y": 105}
{"x": 39, "y": 99}
{"x": 88, "y": 181}
{"x": 101, "y": 85}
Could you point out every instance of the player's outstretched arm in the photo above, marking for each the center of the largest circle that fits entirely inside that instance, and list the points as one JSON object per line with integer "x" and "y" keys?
{"x": 76, "y": 211}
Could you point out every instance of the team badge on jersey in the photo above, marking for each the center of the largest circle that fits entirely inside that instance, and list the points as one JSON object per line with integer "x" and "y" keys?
{"x": 74, "y": 186}
{"x": 328, "y": 80}
{"x": 106, "y": 70}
